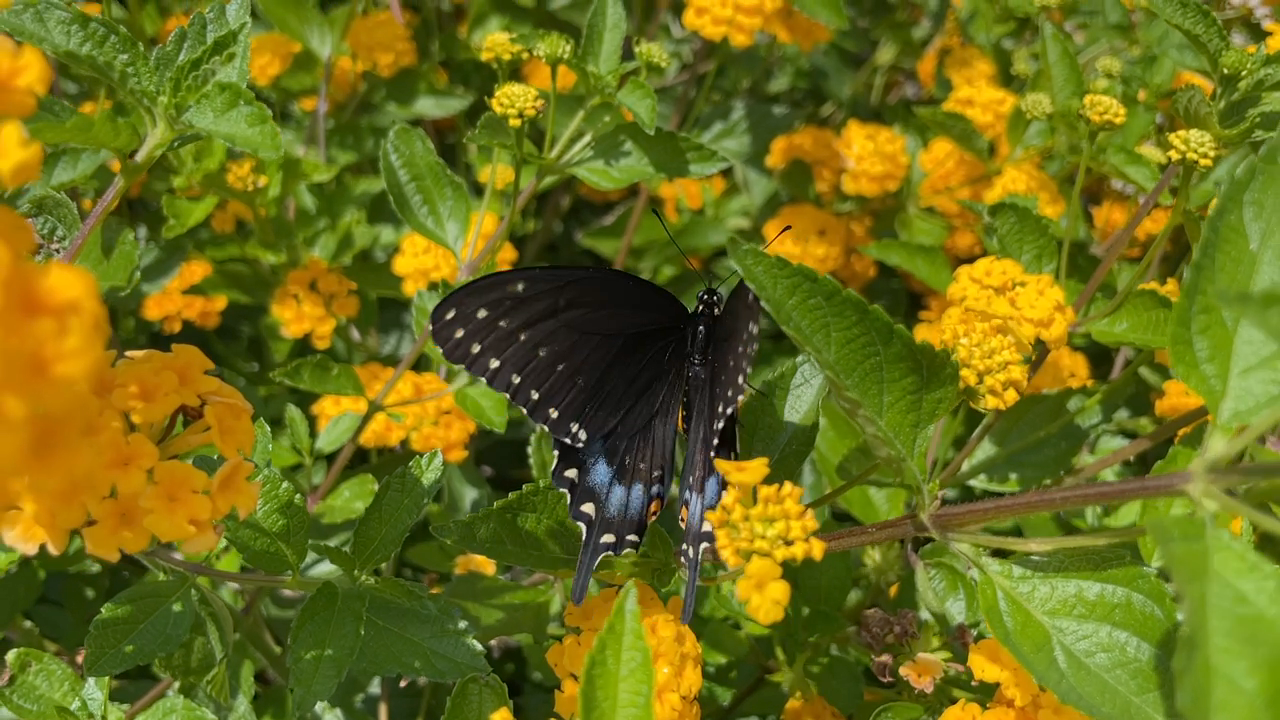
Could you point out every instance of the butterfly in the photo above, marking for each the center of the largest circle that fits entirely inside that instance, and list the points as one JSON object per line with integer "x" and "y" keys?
{"x": 610, "y": 364}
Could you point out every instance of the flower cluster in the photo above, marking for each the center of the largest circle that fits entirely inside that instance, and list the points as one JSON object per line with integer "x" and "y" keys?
{"x": 472, "y": 563}
{"x": 25, "y": 77}
{"x": 826, "y": 242}
{"x": 673, "y": 648}
{"x": 1193, "y": 147}
{"x": 312, "y": 300}
{"x": 1018, "y": 698}
{"x": 688, "y": 193}
{"x": 517, "y": 102}
{"x": 1113, "y": 213}
{"x": 739, "y": 21}
{"x": 171, "y": 306}
{"x": 1103, "y": 111}
{"x": 1177, "y": 398}
{"x": 419, "y": 411}
{"x": 814, "y": 146}
{"x": 537, "y": 73}
{"x": 994, "y": 312}
{"x": 270, "y": 54}
{"x": 420, "y": 262}
{"x": 816, "y": 707}
{"x": 501, "y": 47}
{"x": 225, "y": 217}
{"x": 242, "y": 175}
{"x": 873, "y": 159}
{"x": 502, "y": 175}
{"x": 758, "y": 527}
{"x": 1026, "y": 178}
{"x": 383, "y": 44}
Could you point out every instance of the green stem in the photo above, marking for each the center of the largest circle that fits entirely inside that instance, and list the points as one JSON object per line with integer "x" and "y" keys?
{"x": 242, "y": 579}
{"x": 551, "y": 115}
{"x": 1048, "y": 544}
{"x": 844, "y": 487}
{"x": 569, "y": 131}
{"x": 1076, "y": 209}
{"x": 253, "y": 629}
{"x": 517, "y": 164}
{"x": 472, "y": 257}
{"x": 704, "y": 90}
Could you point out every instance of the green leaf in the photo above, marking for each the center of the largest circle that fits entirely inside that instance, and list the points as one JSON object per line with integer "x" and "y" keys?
{"x": 831, "y": 13}
{"x": 233, "y": 114}
{"x": 617, "y": 676}
{"x": 348, "y": 501}
{"x": 114, "y": 262}
{"x": 893, "y": 386}
{"x": 944, "y": 586}
{"x": 299, "y": 428}
{"x": 321, "y": 375}
{"x": 337, "y": 432}
{"x": 60, "y": 124}
{"x": 898, "y": 711}
{"x": 410, "y": 631}
{"x": 261, "y": 443}
{"x": 274, "y": 537}
{"x": 71, "y": 166}
{"x": 1224, "y": 353}
{"x": 426, "y": 193}
{"x": 626, "y": 155}
{"x": 1191, "y": 106}
{"x": 181, "y": 214}
{"x": 541, "y": 455}
{"x": 602, "y": 36}
{"x": 955, "y": 126}
{"x": 137, "y": 626}
{"x": 1020, "y": 233}
{"x": 1066, "y": 83}
{"x": 93, "y": 45}
{"x": 486, "y": 406}
{"x": 1227, "y": 593}
{"x": 780, "y": 421}
{"x": 20, "y": 586}
{"x": 492, "y": 131}
{"x": 211, "y": 49}
{"x": 1198, "y": 24}
{"x": 929, "y": 264}
{"x": 1142, "y": 320}
{"x": 1091, "y": 625}
{"x": 529, "y": 528}
{"x": 38, "y": 684}
{"x": 476, "y": 697}
{"x": 204, "y": 649}
{"x": 638, "y": 97}
{"x": 54, "y": 216}
{"x": 399, "y": 503}
{"x": 325, "y": 637}
{"x": 301, "y": 20}
{"x": 498, "y": 607}
{"x": 175, "y": 707}
{"x": 1018, "y": 453}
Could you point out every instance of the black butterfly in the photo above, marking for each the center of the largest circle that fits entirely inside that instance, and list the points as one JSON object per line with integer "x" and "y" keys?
{"x": 606, "y": 360}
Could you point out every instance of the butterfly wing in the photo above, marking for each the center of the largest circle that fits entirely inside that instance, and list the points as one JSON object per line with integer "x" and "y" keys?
{"x": 712, "y": 422}
{"x": 597, "y": 356}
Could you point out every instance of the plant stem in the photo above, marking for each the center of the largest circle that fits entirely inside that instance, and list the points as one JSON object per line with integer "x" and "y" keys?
{"x": 156, "y": 692}
{"x": 633, "y": 223}
{"x": 844, "y": 487}
{"x": 1076, "y": 210}
{"x": 1047, "y": 544}
{"x": 551, "y": 114}
{"x": 569, "y": 131}
{"x": 151, "y": 149}
{"x": 983, "y": 429}
{"x": 516, "y": 165}
{"x": 1138, "y": 446}
{"x": 242, "y": 579}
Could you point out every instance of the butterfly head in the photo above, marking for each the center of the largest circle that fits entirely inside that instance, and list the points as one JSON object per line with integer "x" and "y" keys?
{"x": 709, "y": 301}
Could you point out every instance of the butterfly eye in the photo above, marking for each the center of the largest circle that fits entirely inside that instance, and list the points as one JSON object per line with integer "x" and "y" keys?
{"x": 655, "y": 507}
{"x": 684, "y": 515}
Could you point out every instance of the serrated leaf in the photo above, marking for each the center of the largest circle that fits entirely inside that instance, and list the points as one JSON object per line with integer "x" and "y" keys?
{"x": 175, "y": 707}
{"x": 1198, "y": 24}
{"x": 211, "y": 48}
{"x": 139, "y": 625}
{"x": 617, "y": 676}
{"x": 497, "y": 607}
{"x": 602, "y": 36}
{"x": 410, "y": 631}
{"x": 299, "y": 428}
{"x": 529, "y": 528}
{"x": 60, "y": 124}
{"x": 54, "y": 216}
{"x": 1191, "y": 106}
{"x": 93, "y": 45}
{"x": 626, "y": 155}
{"x": 38, "y": 684}
{"x": 339, "y": 557}
{"x": 929, "y": 264}
{"x": 201, "y": 652}
{"x": 324, "y": 639}
{"x": 181, "y": 214}
{"x": 336, "y": 433}
{"x": 638, "y": 97}
{"x": 1224, "y": 353}
{"x": 780, "y": 421}
{"x": 1090, "y": 625}
{"x": 1226, "y": 590}
{"x": 1020, "y": 233}
{"x": 1066, "y": 82}
{"x": 301, "y": 20}
{"x": 274, "y": 537}
{"x": 476, "y": 697}
{"x": 400, "y": 501}
{"x": 1142, "y": 320}
{"x": 321, "y": 375}
{"x": 232, "y": 114}
{"x": 112, "y": 261}
{"x": 348, "y": 500}
{"x": 492, "y": 131}
{"x": 69, "y": 167}
{"x": 486, "y": 406}
{"x": 895, "y": 387}
{"x": 830, "y": 13}
{"x": 423, "y": 190}
{"x": 955, "y": 126}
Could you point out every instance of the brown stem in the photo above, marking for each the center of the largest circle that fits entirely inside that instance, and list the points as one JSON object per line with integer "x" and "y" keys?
{"x": 156, "y": 692}
{"x": 100, "y": 209}
{"x": 633, "y": 222}
{"x": 984, "y": 428}
{"x": 982, "y": 512}
{"x": 1137, "y": 447}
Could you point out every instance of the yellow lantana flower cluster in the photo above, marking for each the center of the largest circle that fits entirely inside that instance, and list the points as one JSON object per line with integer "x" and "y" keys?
{"x": 873, "y": 159}
{"x": 172, "y": 306}
{"x": 1019, "y": 697}
{"x": 473, "y": 563}
{"x": 501, "y": 47}
{"x": 537, "y": 73}
{"x": 1063, "y": 367}
{"x": 517, "y": 102}
{"x": 814, "y": 146}
{"x": 953, "y": 175}
{"x": 420, "y": 262}
{"x": 225, "y": 217}
{"x": 739, "y": 21}
{"x": 688, "y": 193}
{"x": 502, "y": 175}
{"x": 1103, "y": 111}
{"x": 799, "y": 707}
{"x": 419, "y": 411}
{"x": 270, "y": 54}
{"x": 381, "y": 43}
{"x": 673, "y": 648}
{"x": 25, "y": 77}
{"x": 312, "y": 300}
{"x": 1114, "y": 212}
{"x": 241, "y": 174}
{"x": 1025, "y": 177}
{"x": 826, "y": 242}
{"x": 758, "y": 527}
{"x": 1193, "y": 147}
{"x": 995, "y": 311}
{"x": 1177, "y": 398}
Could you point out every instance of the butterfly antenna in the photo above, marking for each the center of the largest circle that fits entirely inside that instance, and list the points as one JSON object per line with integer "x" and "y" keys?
{"x": 673, "y": 242}
{"x": 766, "y": 247}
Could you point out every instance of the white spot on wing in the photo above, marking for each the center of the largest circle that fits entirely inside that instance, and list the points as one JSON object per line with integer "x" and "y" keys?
{"x": 533, "y": 394}
{"x": 588, "y": 509}
{"x": 706, "y": 526}
{"x": 449, "y": 315}
{"x": 582, "y": 435}
{"x": 458, "y": 333}
{"x": 633, "y": 538}
{"x": 515, "y": 379}
{"x": 554, "y": 413}
{"x": 482, "y": 313}
{"x": 572, "y": 474}
{"x": 475, "y": 348}
{"x": 608, "y": 538}
{"x": 503, "y": 322}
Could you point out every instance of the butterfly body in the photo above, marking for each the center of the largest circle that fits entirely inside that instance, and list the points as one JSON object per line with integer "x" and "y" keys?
{"x": 606, "y": 361}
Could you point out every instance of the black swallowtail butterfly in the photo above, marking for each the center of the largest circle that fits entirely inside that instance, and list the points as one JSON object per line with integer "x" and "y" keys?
{"x": 606, "y": 360}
